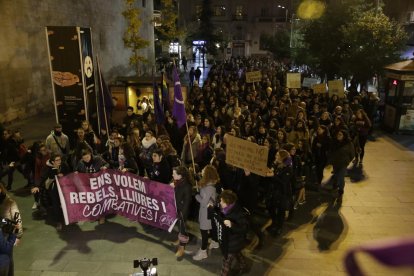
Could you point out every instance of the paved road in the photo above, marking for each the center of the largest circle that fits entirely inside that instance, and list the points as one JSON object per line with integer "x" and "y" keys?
{"x": 379, "y": 206}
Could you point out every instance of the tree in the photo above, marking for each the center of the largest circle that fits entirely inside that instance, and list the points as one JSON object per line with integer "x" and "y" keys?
{"x": 325, "y": 40}
{"x": 353, "y": 39}
{"x": 132, "y": 38}
{"x": 168, "y": 31}
{"x": 278, "y": 44}
{"x": 373, "y": 41}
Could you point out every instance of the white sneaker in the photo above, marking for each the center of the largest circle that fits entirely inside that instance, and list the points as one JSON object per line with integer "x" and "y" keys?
{"x": 35, "y": 206}
{"x": 200, "y": 255}
{"x": 213, "y": 245}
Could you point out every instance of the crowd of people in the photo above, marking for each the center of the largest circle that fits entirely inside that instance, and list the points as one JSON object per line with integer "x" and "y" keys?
{"x": 304, "y": 132}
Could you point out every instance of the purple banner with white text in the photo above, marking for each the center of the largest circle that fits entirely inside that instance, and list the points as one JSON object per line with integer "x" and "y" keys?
{"x": 89, "y": 196}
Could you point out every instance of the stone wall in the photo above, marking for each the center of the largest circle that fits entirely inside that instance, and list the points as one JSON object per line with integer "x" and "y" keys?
{"x": 25, "y": 84}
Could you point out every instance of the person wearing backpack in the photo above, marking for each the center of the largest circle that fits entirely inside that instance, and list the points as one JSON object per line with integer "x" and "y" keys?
{"x": 235, "y": 227}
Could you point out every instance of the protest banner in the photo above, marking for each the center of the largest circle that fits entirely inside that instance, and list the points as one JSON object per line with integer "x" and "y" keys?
{"x": 293, "y": 80}
{"x": 319, "y": 88}
{"x": 254, "y": 76}
{"x": 246, "y": 155}
{"x": 89, "y": 196}
{"x": 336, "y": 87}
{"x": 309, "y": 82}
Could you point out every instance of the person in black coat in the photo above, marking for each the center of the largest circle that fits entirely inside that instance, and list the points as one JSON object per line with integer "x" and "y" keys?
{"x": 236, "y": 227}
{"x": 14, "y": 151}
{"x": 160, "y": 170}
{"x": 341, "y": 154}
{"x": 91, "y": 163}
{"x": 280, "y": 191}
{"x": 320, "y": 147}
{"x": 80, "y": 144}
{"x": 183, "y": 190}
{"x": 54, "y": 167}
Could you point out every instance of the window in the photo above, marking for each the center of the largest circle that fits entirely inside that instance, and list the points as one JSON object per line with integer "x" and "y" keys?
{"x": 198, "y": 10}
{"x": 239, "y": 11}
{"x": 239, "y": 14}
{"x": 219, "y": 10}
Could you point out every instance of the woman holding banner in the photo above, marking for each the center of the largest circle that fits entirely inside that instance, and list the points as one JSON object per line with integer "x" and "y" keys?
{"x": 91, "y": 164}
{"x": 48, "y": 186}
{"x": 182, "y": 187}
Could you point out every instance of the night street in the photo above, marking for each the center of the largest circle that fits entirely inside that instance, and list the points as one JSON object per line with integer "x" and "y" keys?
{"x": 314, "y": 243}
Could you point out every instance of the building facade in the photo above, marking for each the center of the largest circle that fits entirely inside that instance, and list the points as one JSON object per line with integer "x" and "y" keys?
{"x": 241, "y": 22}
{"x": 25, "y": 82}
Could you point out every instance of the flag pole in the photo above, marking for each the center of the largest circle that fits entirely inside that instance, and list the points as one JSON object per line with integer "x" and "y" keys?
{"x": 153, "y": 84}
{"x": 192, "y": 155}
{"x": 102, "y": 97}
{"x": 191, "y": 148}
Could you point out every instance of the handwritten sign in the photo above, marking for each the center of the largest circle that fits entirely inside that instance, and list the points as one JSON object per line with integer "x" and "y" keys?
{"x": 254, "y": 76}
{"x": 319, "y": 88}
{"x": 336, "y": 87}
{"x": 246, "y": 155}
{"x": 309, "y": 82}
{"x": 293, "y": 80}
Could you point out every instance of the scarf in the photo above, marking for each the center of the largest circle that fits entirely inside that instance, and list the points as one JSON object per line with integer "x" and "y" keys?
{"x": 227, "y": 209}
{"x": 147, "y": 144}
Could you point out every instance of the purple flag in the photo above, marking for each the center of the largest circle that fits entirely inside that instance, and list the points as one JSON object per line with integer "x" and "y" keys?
{"x": 159, "y": 113}
{"x": 393, "y": 253}
{"x": 178, "y": 107}
{"x": 89, "y": 196}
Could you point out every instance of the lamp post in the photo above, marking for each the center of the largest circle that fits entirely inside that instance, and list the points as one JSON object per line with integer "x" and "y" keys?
{"x": 286, "y": 12}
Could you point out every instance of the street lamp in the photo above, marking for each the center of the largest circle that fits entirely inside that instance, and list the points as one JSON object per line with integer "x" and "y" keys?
{"x": 287, "y": 12}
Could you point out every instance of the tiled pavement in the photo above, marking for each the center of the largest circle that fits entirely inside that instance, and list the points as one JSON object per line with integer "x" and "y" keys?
{"x": 314, "y": 243}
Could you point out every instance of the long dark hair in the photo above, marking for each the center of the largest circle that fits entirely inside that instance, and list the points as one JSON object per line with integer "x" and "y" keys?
{"x": 185, "y": 174}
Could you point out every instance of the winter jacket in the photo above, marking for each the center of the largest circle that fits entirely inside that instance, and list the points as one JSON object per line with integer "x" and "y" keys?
{"x": 145, "y": 156}
{"x": 341, "y": 154}
{"x": 320, "y": 148}
{"x": 207, "y": 195}
{"x": 183, "y": 191}
{"x": 54, "y": 147}
{"x": 186, "y": 152}
{"x": 238, "y": 230}
{"x": 281, "y": 190}
{"x": 161, "y": 172}
{"x": 93, "y": 166}
{"x": 49, "y": 173}
{"x": 8, "y": 209}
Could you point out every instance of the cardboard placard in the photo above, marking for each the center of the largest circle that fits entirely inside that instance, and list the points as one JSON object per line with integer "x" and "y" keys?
{"x": 336, "y": 87}
{"x": 246, "y": 155}
{"x": 254, "y": 76}
{"x": 319, "y": 88}
{"x": 309, "y": 82}
{"x": 293, "y": 80}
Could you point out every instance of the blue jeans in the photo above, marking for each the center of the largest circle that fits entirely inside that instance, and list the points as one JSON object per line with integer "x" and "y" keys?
{"x": 339, "y": 178}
